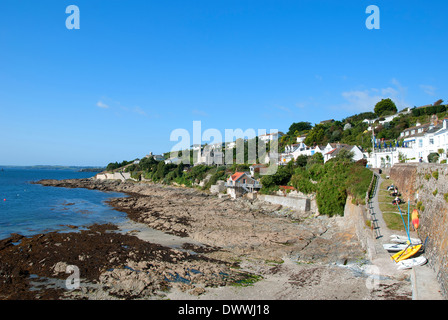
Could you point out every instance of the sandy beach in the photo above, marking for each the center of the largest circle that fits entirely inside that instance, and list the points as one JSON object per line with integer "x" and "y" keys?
{"x": 182, "y": 243}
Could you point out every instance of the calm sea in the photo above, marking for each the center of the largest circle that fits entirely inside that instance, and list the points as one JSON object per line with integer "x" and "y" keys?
{"x": 29, "y": 209}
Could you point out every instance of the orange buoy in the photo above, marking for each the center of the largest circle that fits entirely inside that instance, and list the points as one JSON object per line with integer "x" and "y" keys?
{"x": 415, "y": 219}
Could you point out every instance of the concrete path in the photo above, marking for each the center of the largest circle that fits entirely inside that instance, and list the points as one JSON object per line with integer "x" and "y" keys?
{"x": 423, "y": 278}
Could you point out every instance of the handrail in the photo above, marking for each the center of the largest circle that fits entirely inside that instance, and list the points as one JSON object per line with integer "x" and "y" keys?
{"x": 369, "y": 189}
{"x": 250, "y": 185}
{"x": 374, "y": 221}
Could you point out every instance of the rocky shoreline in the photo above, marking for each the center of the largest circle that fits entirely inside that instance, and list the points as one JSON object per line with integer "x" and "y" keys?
{"x": 232, "y": 249}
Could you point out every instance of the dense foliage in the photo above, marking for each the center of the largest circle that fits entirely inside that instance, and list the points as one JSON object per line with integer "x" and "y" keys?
{"x": 115, "y": 165}
{"x": 331, "y": 182}
{"x": 385, "y": 107}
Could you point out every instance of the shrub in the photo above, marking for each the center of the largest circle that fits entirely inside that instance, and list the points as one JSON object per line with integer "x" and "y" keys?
{"x": 419, "y": 205}
{"x": 280, "y": 178}
{"x": 335, "y": 181}
{"x": 301, "y": 181}
{"x": 433, "y": 157}
{"x": 435, "y": 174}
{"x": 220, "y": 174}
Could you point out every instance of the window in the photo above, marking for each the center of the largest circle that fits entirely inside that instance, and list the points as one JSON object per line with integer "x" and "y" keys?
{"x": 431, "y": 141}
{"x": 420, "y": 143}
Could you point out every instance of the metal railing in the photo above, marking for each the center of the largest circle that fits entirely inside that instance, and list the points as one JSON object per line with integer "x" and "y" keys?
{"x": 373, "y": 188}
{"x": 243, "y": 185}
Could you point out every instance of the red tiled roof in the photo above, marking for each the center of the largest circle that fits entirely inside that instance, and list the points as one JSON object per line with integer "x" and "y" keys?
{"x": 236, "y": 176}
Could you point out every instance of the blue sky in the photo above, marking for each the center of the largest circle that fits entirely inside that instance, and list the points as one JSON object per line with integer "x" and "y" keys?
{"x": 136, "y": 70}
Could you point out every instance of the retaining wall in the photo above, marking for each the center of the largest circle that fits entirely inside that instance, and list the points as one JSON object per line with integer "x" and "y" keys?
{"x": 426, "y": 184}
{"x": 123, "y": 176}
{"x": 298, "y": 203}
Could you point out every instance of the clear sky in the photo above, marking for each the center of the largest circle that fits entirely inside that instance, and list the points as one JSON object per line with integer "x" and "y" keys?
{"x": 136, "y": 70}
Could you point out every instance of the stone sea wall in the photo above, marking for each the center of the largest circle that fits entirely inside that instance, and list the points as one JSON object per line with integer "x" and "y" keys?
{"x": 123, "y": 176}
{"x": 298, "y": 203}
{"x": 427, "y": 186}
{"x": 355, "y": 216}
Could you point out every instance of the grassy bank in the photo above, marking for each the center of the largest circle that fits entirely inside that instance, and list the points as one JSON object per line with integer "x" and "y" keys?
{"x": 391, "y": 213}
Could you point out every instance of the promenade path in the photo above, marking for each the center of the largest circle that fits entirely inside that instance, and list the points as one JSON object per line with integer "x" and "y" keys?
{"x": 423, "y": 278}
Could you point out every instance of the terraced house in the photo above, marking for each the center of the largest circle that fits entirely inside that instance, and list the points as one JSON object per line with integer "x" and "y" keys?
{"x": 418, "y": 142}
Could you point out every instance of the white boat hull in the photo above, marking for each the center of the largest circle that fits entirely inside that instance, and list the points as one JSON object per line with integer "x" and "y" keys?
{"x": 394, "y": 247}
{"x": 409, "y": 263}
{"x": 403, "y": 239}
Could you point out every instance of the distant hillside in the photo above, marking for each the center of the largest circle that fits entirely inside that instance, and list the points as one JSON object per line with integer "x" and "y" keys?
{"x": 52, "y": 167}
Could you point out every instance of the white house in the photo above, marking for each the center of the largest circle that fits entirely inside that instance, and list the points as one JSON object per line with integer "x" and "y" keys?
{"x": 292, "y": 152}
{"x": 155, "y": 157}
{"x": 209, "y": 157}
{"x": 441, "y": 139}
{"x": 271, "y": 136}
{"x": 418, "y": 142}
{"x": 231, "y": 145}
{"x": 387, "y": 118}
{"x": 336, "y": 148}
{"x": 240, "y": 183}
{"x": 301, "y": 139}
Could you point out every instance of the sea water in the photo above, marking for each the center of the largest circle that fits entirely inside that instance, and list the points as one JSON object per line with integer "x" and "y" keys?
{"x": 29, "y": 209}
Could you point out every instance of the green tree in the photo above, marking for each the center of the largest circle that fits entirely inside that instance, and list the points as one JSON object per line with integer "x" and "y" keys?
{"x": 301, "y": 161}
{"x": 160, "y": 173}
{"x": 345, "y": 154}
{"x": 385, "y": 106}
{"x": 316, "y": 135}
{"x": 299, "y": 127}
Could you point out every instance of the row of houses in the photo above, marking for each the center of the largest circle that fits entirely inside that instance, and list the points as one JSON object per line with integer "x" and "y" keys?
{"x": 418, "y": 142}
{"x": 386, "y": 119}
{"x": 328, "y": 151}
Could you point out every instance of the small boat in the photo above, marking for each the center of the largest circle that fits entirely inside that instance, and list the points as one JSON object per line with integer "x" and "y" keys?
{"x": 404, "y": 239}
{"x": 413, "y": 262}
{"x": 395, "y": 247}
{"x": 407, "y": 253}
